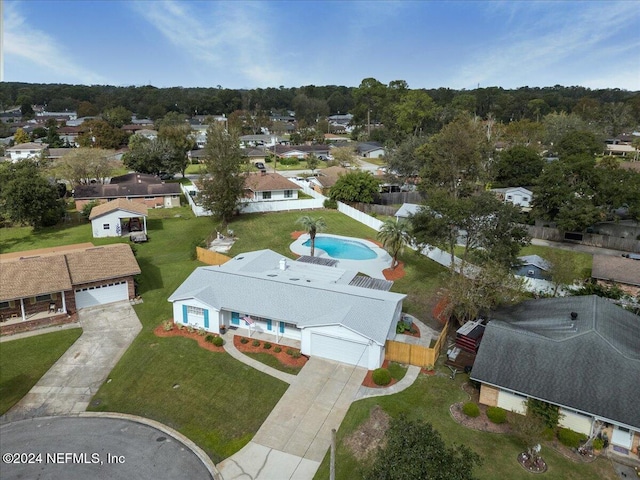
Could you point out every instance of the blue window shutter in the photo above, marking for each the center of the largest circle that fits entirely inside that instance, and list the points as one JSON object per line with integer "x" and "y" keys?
{"x": 268, "y": 324}
{"x": 185, "y": 315}
{"x": 281, "y": 327}
{"x": 206, "y": 318}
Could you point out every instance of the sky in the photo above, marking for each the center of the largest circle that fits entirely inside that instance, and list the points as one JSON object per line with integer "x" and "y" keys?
{"x": 259, "y": 44}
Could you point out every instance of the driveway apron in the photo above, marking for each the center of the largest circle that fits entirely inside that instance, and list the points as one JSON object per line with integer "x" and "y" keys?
{"x": 69, "y": 384}
{"x": 295, "y": 437}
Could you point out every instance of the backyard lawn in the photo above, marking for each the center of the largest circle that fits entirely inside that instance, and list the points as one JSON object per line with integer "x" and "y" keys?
{"x": 429, "y": 399}
{"x": 24, "y": 361}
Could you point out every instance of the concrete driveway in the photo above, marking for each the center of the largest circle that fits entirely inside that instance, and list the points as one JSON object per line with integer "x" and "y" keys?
{"x": 68, "y": 386}
{"x": 295, "y": 437}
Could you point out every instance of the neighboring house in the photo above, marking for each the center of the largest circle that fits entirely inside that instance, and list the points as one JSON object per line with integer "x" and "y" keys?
{"x": 26, "y": 150}
{"x": 260, "y": 140}
{"x": 57, "y": 153}
{"x": 147, "y": 133}
{"x": 196, "y": 156}
{"x": 407, "y": 210}
{"x": 580, "y": 353}
{"x": 319, "y": 150}
{"x": 47, "y": 285}
{"x": 314, "y": 304}
{"x": 264, "y": 186}
{"x": 327, "y": 178}
{"x": 620, "y": 271}
{"x": 117, "y": 218}
{"x": 284, "y": 151}
{"x": 518, "y": 196}
{"x": 69, "y": 135}
{"x": 533, "y": 266}
{"x": 370, "y": 150}
{"x": 137, "y": 187}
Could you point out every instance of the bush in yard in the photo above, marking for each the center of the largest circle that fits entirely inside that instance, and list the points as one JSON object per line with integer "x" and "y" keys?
{"x": 289, "y": 161}
{"x": 548, "y": 434}
{"x": 277, "y": 350}
{"x": 330, "y": 204}
{"x": 167, "y": 325}
{"x": 598, "y": 444}
{"x": 266, "y": 345}
{"x": 289, "y": 351}
{"x": 497, "y": 414}
{"x": 244, "y": 340}
{"x": 296, "y": 354}
{"x": 209, "y": 338}
{"x": 569, "y": 438}
{"x": 218, "y": 341}
{"x": 256, "y": 343}
{"x": 381, "y": 376}
{"x": 471, "y": 409}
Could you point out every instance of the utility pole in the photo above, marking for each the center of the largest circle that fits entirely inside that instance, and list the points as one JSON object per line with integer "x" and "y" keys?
{"x": 368, "y": 124}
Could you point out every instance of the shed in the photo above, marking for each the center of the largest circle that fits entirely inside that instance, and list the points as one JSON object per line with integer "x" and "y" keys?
{"x": 118, "y": 217}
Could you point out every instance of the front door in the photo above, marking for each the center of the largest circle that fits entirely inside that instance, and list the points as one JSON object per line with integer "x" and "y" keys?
{"x": 235, "y": 318}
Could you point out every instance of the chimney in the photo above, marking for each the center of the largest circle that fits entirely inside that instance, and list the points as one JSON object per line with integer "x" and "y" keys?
{"x": 574, "y": 315}
{"x": 283, "y": 264}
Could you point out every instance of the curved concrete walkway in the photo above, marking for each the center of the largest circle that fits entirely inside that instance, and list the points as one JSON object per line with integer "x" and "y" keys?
{"x": 71, "y": 382}
{"x": 406, "y": 382}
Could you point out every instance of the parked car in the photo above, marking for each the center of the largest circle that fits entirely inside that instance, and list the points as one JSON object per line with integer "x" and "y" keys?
{"x": 166, "y": 176}
{"x": 260, "y": 166}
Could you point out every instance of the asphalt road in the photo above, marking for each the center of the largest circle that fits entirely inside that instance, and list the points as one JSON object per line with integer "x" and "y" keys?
{"x": 97, "y": 448}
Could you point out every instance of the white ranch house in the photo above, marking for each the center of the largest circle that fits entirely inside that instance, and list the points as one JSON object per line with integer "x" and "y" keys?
{"x": 314, "y": 304}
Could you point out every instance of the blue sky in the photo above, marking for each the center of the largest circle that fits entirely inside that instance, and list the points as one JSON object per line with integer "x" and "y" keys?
{"x": 236, "y": 44}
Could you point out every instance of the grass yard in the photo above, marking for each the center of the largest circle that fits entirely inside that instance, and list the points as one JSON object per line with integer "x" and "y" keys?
{"x": 36, "y": 355}
{"x": 582, "y": 261}
{"x": 429, "y": 400}
{"x": 273, "y": 362}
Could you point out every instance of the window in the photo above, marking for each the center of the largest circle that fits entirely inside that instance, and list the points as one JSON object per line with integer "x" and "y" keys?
{"x": 195, "y": 310}
{"x": 531, "y": 273}
{"x": 289, "y": 325}
{"x": 526, "y": 199}
{"x": 42, "y": 298}
{"x": 288, "y": 193}
{"x": 106, "y": 226}
{"x": 509, "y": 197}
{"x": 266, "y": 195}
{"x": 4, "y": 304}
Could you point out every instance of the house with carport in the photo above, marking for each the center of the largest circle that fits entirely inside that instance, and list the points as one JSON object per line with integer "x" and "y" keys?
{"x": 579, "y": 353}
{"x": 321, "y": 306}
{"x": 117, "y": 218}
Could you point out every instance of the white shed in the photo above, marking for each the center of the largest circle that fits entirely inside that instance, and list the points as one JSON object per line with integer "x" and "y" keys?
{"x": 117, "y": 218}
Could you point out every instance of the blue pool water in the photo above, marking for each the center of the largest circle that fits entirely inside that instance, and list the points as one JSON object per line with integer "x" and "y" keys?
{"x": 342, "y": 248}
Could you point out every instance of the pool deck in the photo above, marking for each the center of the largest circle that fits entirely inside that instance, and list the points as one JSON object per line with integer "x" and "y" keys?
{"x": 372, "y": 267}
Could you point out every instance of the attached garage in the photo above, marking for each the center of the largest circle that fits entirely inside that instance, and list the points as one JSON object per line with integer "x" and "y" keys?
{"x": 339, "y": 349}
{"x": 101, "y": 294}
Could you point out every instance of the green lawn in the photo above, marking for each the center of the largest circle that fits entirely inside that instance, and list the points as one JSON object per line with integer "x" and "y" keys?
{"x": 24, "y": 361}
{"x": 273, "y": 362}
{"x": 429, "y": 400}
{"x": 582, "y": 261}
{"x": 194, "y": 168}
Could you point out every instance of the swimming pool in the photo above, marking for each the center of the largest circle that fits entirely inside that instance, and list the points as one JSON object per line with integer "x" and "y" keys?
{"x": 343, "y": 248}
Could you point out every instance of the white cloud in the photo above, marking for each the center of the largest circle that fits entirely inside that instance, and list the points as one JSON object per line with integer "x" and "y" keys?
{"x": 562, "y": 44}
{"x": 35, "y": 49}
{"x": 231, "y": 37}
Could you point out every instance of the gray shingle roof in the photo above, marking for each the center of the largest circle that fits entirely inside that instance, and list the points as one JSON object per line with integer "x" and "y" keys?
{"x": 536, "y": 261}
{"x": 290, "y": 295}
{"x": 590, "y": 364}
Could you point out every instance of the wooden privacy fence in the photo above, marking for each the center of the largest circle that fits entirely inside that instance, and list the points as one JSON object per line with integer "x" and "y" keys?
{"x": 211, "y": 258}
{"x": 418, "y": 355}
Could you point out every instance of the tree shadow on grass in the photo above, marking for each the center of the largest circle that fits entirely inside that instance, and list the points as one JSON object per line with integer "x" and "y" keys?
{"x": 151, "y": 278}
{"x": 11, "y": 391}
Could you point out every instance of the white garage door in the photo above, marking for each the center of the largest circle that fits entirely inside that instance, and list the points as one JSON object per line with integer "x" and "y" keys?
{"x": 107, "y": 293}
{"x": 341, "y": 350}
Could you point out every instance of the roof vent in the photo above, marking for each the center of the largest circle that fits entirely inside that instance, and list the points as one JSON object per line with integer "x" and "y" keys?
{"x": 574, "y": 315}
{"x": 283, "y": 264}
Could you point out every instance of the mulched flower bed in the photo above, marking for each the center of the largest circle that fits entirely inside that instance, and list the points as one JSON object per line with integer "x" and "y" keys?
{"x": 175, "y": 332}
{"x": 414, "y": 332}
{"x": 295, "y": 235}
{"x": 537, "y": 466}
{"x": 282, "y": 356}
{"x": 368, "y": 380}
{"x": 395, "y": 274}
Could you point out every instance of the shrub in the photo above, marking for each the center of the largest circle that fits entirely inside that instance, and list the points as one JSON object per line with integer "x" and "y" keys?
{"x": 218, "y": 341}
{"x": 209, "y": 338}
{"x": 266, "y": 345}
{"x": 202, "y": 332}
{"x": 296, "y": 354}
{"x": 330, "y": 203}
{"x": 180, "y": 327}
{"x": 167, "y": 325}
{"x": 401, "y": 327}
{"x": 256, "y": 343}
{"x": 598, "y": 444}
{"x": 548, "y": 434}
{"x": 277, "y": 349}
{"x": 244, "y": 340}
{"x": 497, "y": 414}
{"x": 471, "y": 409}
{"x": 381, "y": 376}
{"x": 289, "y": 351}
{"x": 289, "y": 161}
{"x": 569, "y": 438}
{"x": 190, "y": 328}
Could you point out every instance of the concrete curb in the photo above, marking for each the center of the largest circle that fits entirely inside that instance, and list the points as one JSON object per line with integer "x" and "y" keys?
{"x": 406, "y": 382}
{"x": 231, "y": 349}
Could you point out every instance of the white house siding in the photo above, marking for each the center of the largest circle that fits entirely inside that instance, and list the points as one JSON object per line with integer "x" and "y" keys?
{"x": 195, "y": 320}
{"x": 338, "y": 343}
{"x": 512, "y": 402}
{"x": 575, "y": 421}
{"x": 275, "y": 195}
{"x": 518, "y": 197}
{"x": 111, "y": 220}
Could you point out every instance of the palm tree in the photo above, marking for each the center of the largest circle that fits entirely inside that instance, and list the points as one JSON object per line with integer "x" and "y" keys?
{"x": 394, "y": 237}
{"x": 312, "y": 226}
